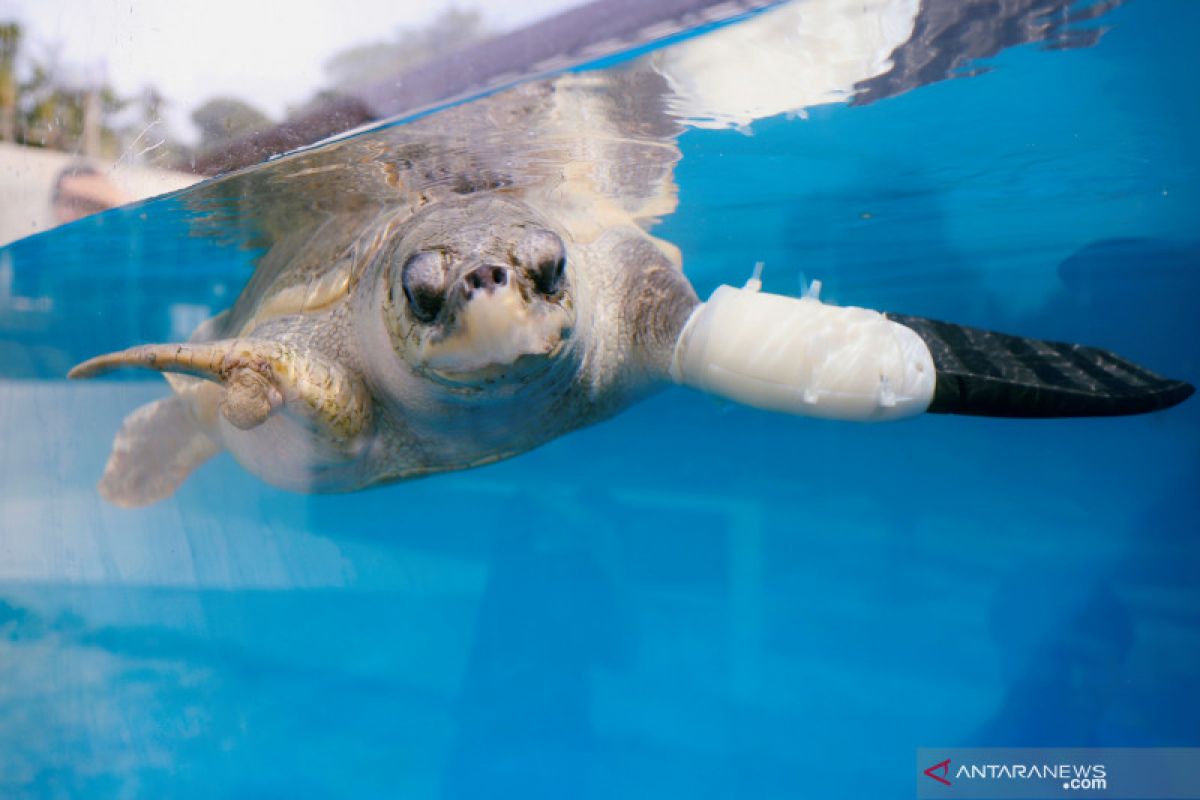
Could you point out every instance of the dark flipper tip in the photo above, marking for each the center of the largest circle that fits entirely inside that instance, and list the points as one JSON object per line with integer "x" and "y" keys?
{"x": 983, "y": 373}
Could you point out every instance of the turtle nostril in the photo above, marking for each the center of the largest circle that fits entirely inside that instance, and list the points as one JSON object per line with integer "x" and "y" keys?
{"x": 487, "y": 277}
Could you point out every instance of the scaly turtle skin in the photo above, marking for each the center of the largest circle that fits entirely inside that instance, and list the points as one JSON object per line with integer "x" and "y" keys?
{"x": 431, "y": 297}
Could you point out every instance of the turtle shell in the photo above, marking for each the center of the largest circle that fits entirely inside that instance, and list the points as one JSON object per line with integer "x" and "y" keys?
{"x": 592, "y": 149}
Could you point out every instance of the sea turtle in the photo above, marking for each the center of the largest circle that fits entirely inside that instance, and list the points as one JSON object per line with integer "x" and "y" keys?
{"x": 460, "y": 289}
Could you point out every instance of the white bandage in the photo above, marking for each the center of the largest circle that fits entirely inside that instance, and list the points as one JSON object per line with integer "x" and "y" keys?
{"x": 800, "y": 356}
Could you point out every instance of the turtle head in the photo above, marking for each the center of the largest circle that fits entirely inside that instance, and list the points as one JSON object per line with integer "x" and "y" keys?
{"x": 477, "y": 289}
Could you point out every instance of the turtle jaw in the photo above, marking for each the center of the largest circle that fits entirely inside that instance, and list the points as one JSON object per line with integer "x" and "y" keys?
{"x": 477, "y": 345}
{"x": 522, "y": 370}
{"x": 495, "y": 327}
{"x": 497, "y": 340}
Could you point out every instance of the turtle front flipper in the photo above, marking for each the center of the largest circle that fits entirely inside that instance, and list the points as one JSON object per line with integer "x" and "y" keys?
{"x": 261, "y": 378}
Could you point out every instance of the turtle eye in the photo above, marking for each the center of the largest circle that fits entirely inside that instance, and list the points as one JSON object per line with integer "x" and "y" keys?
{"x": 544, "y": 255}
{"x": 424, "y": 280}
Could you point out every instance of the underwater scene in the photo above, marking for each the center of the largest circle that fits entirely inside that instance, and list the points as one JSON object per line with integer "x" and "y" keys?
{"x": 624, "y": 589}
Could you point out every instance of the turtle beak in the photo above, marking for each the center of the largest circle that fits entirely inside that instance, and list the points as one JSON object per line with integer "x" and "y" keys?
{"x": 491, "y": 321}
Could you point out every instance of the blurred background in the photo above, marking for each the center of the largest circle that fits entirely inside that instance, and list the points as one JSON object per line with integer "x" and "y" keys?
{"x": 103, "y": 102}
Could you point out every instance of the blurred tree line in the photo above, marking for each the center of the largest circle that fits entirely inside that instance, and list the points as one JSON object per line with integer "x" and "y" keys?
{"x": 43, "y": 105}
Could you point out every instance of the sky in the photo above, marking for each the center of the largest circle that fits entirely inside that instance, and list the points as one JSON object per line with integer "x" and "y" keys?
{"x": 192, "y": 50}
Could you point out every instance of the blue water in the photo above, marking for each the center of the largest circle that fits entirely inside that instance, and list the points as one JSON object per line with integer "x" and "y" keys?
{"x": 692, "y": 600}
